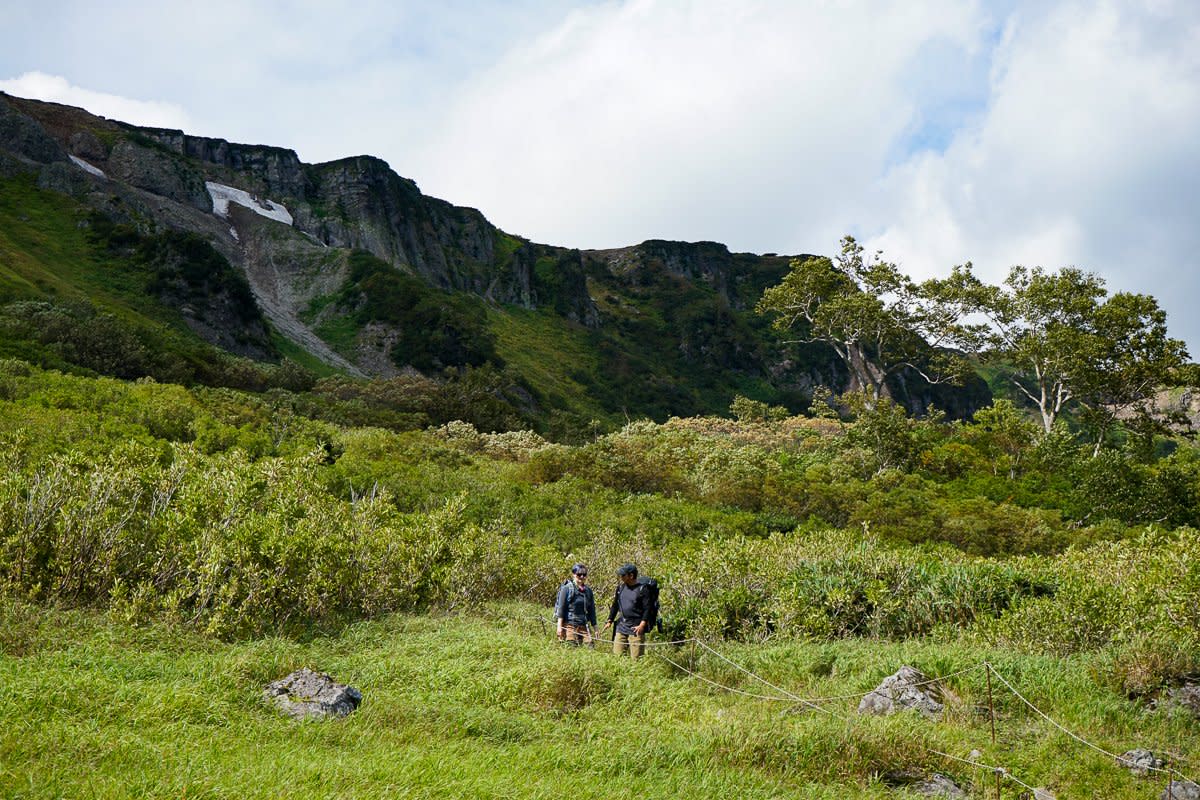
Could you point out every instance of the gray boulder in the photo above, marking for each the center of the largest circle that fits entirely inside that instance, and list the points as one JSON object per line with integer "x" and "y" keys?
{"x": 1181, "y": 790}
{"x": 306, "y": 694}
{"x": 938, "y": 785}
{"x": 1186, "y": 696}
{"x": 927, "y": 785}
{"x": 907, "y": 689}
{"x": 1140, "y": 762}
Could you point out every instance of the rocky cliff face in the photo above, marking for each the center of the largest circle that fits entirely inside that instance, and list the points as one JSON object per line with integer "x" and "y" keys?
{"x": 360, "y": 203}
{"x": 155, "y": 178}
{"x": 291, "y": 228}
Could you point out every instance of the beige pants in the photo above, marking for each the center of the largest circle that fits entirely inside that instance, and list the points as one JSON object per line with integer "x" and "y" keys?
{"x": 634, "y": 643}
{"x": 576, "y": 634}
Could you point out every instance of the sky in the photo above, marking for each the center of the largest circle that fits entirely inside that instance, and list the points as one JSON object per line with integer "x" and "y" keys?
{"x": 1045, "y": 133}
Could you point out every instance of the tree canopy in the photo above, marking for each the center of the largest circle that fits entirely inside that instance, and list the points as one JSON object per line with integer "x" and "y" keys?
{"x": 1069, "y": 341}
{"x": 875, "y": 317}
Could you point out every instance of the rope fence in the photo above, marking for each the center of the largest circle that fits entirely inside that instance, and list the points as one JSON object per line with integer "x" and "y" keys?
{"x": 783, "y": 695}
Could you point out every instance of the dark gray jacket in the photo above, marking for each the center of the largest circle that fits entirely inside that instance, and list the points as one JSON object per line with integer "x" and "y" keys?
{"x": 633, "y": 603}
{"x": 576, "y": 607}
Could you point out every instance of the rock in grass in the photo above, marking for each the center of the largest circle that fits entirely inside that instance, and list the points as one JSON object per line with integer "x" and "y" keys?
{"x": 932, "y": 785}
{"x": 306, "y": 694}
{"x": 938, "y": 785}
{"x": 1182, "y": 790}
{"x": 1186, "y": 696}
{"x": 908, "y": 688}
{"x": 1039, "y": 794}
{"x": 1140, "y": 762}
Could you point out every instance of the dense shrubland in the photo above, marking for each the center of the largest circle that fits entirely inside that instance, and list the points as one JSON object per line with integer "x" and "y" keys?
{"x": 240, "y": 514}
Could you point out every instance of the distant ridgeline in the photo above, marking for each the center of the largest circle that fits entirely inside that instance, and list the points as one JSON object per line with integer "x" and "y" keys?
{"x": 136, "y": 251}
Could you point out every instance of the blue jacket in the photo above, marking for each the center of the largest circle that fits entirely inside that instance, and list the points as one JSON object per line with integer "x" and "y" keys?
{"x": 576, "y": 607}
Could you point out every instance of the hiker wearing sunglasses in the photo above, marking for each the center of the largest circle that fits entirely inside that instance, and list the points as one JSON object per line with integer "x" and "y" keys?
{"x": 575, "y": 608}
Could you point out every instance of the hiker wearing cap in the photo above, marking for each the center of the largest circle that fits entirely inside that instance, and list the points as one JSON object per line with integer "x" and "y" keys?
{"x": 634, "y": 603}
{"x": 576, "y": 608}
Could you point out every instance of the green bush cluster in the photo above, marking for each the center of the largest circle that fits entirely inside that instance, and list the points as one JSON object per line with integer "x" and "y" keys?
{"x": 988, "y": 488}
{"x": 435, "y": 329}
{"x": 1112, "y": 593}
{"x": 236, "y": 546}
{"x": 241, "y": 513}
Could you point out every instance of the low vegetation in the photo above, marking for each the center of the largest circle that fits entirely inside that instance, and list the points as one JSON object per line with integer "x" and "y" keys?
{"x": 165, "y": 552}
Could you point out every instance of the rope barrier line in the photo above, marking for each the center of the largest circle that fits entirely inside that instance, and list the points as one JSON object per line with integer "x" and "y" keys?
{"x": 763, "y": 680}
{"x": 939, "y": 679}
{"x": 742, "y": 669}
{"x": 670, "y": 643}
{"x": 857, "y": 696}
{"x": 1001, "y": 771}
{"x": 812, "y": 702}
{"x": 722, "y": 686}
{"x": 1077, "y": 737}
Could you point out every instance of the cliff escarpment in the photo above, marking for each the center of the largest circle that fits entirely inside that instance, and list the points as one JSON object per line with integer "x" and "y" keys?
{"x": 349, "y": 265}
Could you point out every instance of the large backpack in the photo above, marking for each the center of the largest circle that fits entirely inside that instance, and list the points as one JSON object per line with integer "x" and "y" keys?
{"x": 561, "y": 597}
{"x": 649, "y": 588}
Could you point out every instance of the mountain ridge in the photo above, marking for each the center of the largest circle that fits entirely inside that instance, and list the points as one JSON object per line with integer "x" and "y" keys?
{"x": 667, "y": 327}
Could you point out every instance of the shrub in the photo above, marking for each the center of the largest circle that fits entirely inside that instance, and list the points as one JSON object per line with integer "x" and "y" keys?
{"x": 1151, "y": 662}
{"x": 1108, "y": 593}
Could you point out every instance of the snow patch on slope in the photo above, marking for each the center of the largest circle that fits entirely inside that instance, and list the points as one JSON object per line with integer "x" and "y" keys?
{"x": 88, "y": 168}
{"x": 223, "y": 195}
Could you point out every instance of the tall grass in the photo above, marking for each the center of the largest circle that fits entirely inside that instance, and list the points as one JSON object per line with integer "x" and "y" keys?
{"x": 483, "y": 704}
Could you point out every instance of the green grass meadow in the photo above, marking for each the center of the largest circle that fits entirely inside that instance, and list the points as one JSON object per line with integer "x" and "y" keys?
{"x": 485, "y": 704}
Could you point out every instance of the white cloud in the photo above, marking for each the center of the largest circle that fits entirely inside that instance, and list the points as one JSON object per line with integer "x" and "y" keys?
{"x": 1086, "y": 156}
{"x": 1048, "y": 132}
{"x": 56, "y": 89}
{"x": 753, "y": 123}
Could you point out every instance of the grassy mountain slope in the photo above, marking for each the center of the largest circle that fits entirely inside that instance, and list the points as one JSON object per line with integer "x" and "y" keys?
{"x": 165, "y": 552}
{"x": 80, "y": 291}
{"x": 373, "y": 277}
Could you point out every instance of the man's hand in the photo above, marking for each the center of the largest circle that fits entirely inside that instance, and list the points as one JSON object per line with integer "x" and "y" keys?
{"x": 562, "y": 632}
{"x": 640, "y": 629}
{"x": 608, "y": 625}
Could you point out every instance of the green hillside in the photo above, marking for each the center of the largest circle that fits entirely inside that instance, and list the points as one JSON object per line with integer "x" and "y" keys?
{"x": 81, "y": 292}
{"x": 166, "y": 552}
{"x": 105, "y": 286}
{"x": 305, "y": 415}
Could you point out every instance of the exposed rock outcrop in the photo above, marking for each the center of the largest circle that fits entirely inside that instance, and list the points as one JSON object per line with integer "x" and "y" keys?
{"x": 1140, "y": 762}
{"x": 274, "y": 171}
{"x": 932, "y": 785}
{"x": 158, "y": 173}
{"x": 907, "y": 689}
{"x": 1181, "y": 790}
{"x": 306, "y": 694}
{"x": 25, "y": 138}
{"x": 938, "y": 785}
{"x": 1186, "y": 697}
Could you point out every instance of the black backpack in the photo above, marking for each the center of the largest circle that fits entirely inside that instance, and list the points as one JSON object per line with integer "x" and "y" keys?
{"x": 649, "y": 588}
